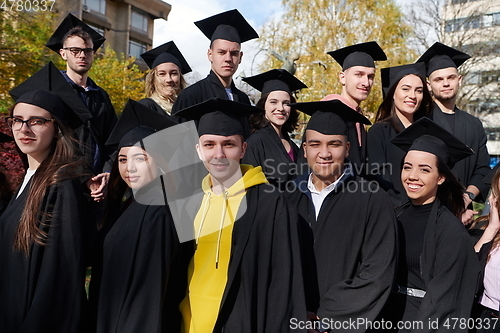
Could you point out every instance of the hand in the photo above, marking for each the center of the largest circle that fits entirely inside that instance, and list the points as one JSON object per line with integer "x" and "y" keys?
{"x": 467, "y": 200}
{"x": 98, "y": 186}
{"x": 311, "y": 316}
{"x": 468, "y": 216}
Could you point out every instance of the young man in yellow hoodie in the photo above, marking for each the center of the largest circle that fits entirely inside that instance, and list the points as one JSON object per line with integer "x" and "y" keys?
{"x": 245, "y": 274}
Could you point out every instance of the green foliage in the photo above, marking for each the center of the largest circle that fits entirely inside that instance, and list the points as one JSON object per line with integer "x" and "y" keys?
{"x": 312, "y": 28}
{"x": 22, "y": 51}
{"x": 119, "y": 76}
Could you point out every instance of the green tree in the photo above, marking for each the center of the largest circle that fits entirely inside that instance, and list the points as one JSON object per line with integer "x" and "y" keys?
{"x": 312, "y": 28}
{"x": 119, "y": 76}
{"x": 22, "y": 52}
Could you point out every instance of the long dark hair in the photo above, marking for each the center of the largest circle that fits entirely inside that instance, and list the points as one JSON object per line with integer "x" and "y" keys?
{"x": 451, "y": 191}
{"x": 117, "y": 189}
{"x": 259, "y": 120}
{"x": 387, "y": 112}
{"x": 63, "y": 162}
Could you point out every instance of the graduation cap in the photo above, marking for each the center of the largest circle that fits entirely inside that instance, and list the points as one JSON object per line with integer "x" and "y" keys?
{"x": 330, "y": 117}
{"x": 219, "y": 116}
{"x": 136, "y": 123}
{"x": 230, "y": 25}
{"x": 5, "y": 138}
{"x": 275, "y": 79}
{"x": 440, "y": 56}
{"x": 55, "y": 42}
{"x": 167, "y": 52}
{"x": 52, "y": 103}
{"x": 392, "y": 75}
{"x": 363, "y": 54}
{"x": 50, "y": 78}
{"x": 425, "y": 135}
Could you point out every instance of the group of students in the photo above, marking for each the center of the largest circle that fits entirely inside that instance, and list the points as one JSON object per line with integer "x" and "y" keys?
{"x": 350, "y": 230}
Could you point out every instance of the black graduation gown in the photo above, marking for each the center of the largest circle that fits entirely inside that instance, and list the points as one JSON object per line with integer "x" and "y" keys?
{"x": 150, "y": 103}
{"x": 384, "y": 160}
{"x": 449, "y": 268}
{"x": 469, "y": 130}
{"x": 264, "y": 289}
{"x": 207, "y": 88}
{"x": 97, "y": 130}
{"x": 131, "y": 270}
{"x": 44, "y": 292}
{"x": 354, "y": 249}
{"x": 357, "y": 153}
{"x": 266, "y": 149}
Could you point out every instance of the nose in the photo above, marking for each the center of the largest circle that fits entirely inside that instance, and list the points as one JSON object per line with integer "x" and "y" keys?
{"x": 219, "y": 152}
{"x": 411, "y": 94}
{"x": 413, "y": 174}
{"x": 324, "y": 152}
{"x": 131, "y": 166}
{"x": 227, "y": 57}
{"x": 25, "y": 128}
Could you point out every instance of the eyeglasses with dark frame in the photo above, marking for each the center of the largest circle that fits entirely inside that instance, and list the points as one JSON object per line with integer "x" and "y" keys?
{"x": 77, "y": 50}
{"x": 33, "y": 123}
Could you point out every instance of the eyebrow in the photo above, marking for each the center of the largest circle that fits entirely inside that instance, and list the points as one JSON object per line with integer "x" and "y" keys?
{"x": 420, "y": 165}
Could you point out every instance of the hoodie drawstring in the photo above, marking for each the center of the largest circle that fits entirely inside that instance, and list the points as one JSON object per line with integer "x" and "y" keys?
{"x": 206, "y": 205}
{"x": 221, "y": 225}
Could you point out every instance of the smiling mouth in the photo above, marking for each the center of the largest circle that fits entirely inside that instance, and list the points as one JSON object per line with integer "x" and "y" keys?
{"x": 414, "y": 187}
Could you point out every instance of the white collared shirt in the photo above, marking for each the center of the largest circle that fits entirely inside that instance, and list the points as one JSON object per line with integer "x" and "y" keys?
{"x": 319, "y": 196}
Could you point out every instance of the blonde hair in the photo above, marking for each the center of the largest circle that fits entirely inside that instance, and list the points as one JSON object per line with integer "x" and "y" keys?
{"x": 153, "y": 86}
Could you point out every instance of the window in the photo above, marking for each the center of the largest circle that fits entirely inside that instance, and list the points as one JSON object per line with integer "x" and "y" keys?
{"x": 97, "y": 28}
{"x": 95, "y": 5}
{"x": 139, "y": 20}
{"x": 136, "y": 48}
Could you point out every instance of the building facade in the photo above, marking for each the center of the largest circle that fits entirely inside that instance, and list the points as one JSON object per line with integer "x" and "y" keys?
{"x": 127, "y": 25}
{"x": 473, "y": 26}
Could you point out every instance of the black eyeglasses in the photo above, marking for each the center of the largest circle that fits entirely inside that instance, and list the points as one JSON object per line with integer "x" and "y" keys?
{"x": 34, "y": 123}
{"x": 77, "y": 50}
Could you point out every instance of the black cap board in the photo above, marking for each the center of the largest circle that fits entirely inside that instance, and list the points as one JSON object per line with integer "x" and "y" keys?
{"x": 363, "y": 54}
{"x": 425, "y": 135}
{"x": 273, "y": 80}
{"x": 50, "y": 78}
{"x": 5, "y": 138}
{"x": 330, "y": 117}
{"x": 218, "y": 116}
{"x": 55, "y": 42}
{"x": 392, "y": 75}
{"x": 52, "y": 103}
{"x": 137, "y": 122}
{"x": 440, "y": 56}
{"x": 230, "y": 25}
{"x": 167, "y": 52}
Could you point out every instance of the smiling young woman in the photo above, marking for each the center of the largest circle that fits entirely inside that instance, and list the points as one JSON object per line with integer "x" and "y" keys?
{"x": 407, "y": 100}
{"x": 437, "y": 269}
{"x": 270, "y": 145}
{"x": 137, "y": 243}
{"x": 165, "y": 80}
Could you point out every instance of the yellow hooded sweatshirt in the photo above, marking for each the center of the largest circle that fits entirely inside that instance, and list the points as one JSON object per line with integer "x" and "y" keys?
{"x": 208, "y": 270}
